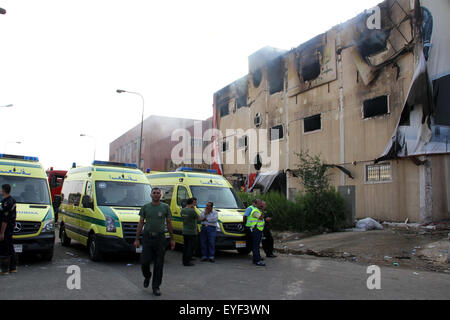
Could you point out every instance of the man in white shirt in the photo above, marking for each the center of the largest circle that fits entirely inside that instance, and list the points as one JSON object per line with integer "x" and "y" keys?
{"x": 209, "y": 219}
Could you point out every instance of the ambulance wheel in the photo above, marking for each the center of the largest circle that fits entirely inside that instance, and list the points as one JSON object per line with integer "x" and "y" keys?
{"x": 65, "y": 240}
{"x": 243, "y": 251}
{"x": 94, "y": 252}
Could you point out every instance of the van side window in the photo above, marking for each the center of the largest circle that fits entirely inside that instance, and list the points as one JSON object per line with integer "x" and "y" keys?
{"x": 181, "y": 194}
{"x": 166, "y": 193}
{"x": 66, "y": 190}
{"x": 75, "y": 192}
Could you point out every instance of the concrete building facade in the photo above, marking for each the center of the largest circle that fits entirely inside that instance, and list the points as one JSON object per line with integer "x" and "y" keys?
{"x": 157, "y": 144}
{"x": 341, "y": 96}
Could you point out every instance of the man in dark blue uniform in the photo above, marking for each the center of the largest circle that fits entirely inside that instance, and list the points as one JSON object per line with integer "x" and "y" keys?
{"x": 8, "y": 221}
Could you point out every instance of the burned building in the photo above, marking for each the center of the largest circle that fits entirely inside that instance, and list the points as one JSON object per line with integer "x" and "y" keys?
{"x": 367, "y": 96}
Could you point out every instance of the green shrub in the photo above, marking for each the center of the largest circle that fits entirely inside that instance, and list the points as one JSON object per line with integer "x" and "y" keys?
{"x": 309, "y": 212}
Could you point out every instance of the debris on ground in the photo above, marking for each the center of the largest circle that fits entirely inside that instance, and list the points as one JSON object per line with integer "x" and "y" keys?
{"x": 412, "y": 250}
{"x": 368, "y": 224}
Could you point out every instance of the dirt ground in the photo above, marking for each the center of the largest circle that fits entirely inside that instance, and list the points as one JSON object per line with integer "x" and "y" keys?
{"x": 413, "y": 248}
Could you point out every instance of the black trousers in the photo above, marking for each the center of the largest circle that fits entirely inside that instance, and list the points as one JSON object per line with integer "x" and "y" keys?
{"x": 153, "y": 250}
{"x": 267, "y": 242}
{"x": 248, "y": 239}
{"x": 188, "y": 248}
{"x": 7, "y": 254}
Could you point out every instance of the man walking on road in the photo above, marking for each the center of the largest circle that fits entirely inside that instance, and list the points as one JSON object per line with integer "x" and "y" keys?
{"x": 255, "y": 223}
{"x": 155, "y": 215}
{"x": 7, "y": 223}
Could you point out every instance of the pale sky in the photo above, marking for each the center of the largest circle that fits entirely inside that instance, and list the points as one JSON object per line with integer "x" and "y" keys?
{"x": 61, "y": 62}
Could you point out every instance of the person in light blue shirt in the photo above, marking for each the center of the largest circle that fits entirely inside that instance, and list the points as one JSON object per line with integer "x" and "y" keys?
{"x": 209, "y": 220}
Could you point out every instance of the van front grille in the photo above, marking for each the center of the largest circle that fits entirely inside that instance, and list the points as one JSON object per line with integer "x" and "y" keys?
{"x": 129, "y": 231}
{"x": 26, "y": 227}
{"x": 233, "y": 227}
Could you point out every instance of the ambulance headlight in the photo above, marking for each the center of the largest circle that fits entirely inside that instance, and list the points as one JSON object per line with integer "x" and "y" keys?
{"x": 218, "y": 227}
{"x": 49, "y": 226}
{"x": 110, "y": 224}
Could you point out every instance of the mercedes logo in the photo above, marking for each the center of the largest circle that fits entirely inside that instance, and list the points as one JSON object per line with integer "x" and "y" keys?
{"x": 17, "y": 227}
{"x": 240, "y": 227}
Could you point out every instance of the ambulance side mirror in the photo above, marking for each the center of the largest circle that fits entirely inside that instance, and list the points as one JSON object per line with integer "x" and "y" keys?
{"x": 245, "y": 204}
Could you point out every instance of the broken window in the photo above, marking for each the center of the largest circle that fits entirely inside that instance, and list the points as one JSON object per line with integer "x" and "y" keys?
{"x": 313, "y": 123}
{"x": 371, "y": 41}
{"x": 379, "y": 172}
{"x": 376, "y": 107}
{"x": 310, "y": 59}
{"x": 225, "y": 146}
{"x": 276, "y": 132}
{"x": 242, "y": 142}
{"x": 257, "y": 78}
{"x": 224, "y": 109}
{"x": 241, "y": 101}
{"x": 275, "y": 74}
{"x": 310, "y": 63}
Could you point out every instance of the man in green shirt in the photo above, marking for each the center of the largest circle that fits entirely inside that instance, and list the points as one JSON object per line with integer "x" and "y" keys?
{"x": 190, "y": 218}
{"x": 156, "y": 215}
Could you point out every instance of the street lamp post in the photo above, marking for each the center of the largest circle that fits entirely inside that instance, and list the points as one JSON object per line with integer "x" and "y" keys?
{"x": 95, "y": 141}
{"x": 142, "y": 123}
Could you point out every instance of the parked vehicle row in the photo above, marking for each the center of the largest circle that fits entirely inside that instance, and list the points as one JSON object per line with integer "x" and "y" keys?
{"x": 99, "y": 205}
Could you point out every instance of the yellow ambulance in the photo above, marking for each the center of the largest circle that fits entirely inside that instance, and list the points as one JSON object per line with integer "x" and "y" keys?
{"x": 207, "y": 186}
{"x": 99, "y": 206}
{"x": 34, "y": 231}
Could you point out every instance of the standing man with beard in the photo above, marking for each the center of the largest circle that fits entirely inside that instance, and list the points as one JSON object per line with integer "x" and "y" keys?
{"x": 156, "y": 215}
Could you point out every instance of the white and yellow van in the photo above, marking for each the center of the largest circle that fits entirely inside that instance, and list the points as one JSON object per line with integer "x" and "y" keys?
{"x": 34, "y": 231}
{"x": 99, "y": 206}
{"x": 205, "y": 185}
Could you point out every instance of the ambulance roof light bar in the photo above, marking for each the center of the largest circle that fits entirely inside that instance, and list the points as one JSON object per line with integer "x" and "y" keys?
{"x": 16, "y": 157}
{"x": 114, "y": 164}
{"x": 189, "y": 169}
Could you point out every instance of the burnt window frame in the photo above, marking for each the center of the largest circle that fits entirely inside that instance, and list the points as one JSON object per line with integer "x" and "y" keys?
{"x": 316, "y": 130}
{"x": 225, "y": 143}
{"x": 282, "y": 132}
{"x": 379, "y": 166}
{"x": 276, "y": 84}
{"x": 388, "y": 111}
{"x": 245, "y": 137}
{"x": 221, "y": 107}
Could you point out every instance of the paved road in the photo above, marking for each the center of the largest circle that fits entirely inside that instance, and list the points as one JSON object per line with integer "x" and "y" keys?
{"x": 231, "y": 277}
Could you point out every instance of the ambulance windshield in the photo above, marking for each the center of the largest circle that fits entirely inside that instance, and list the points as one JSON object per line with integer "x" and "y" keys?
{"x": 27, "y": 190}
{"x": 223, "y": 198}
{"x": 122, "y": 194}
